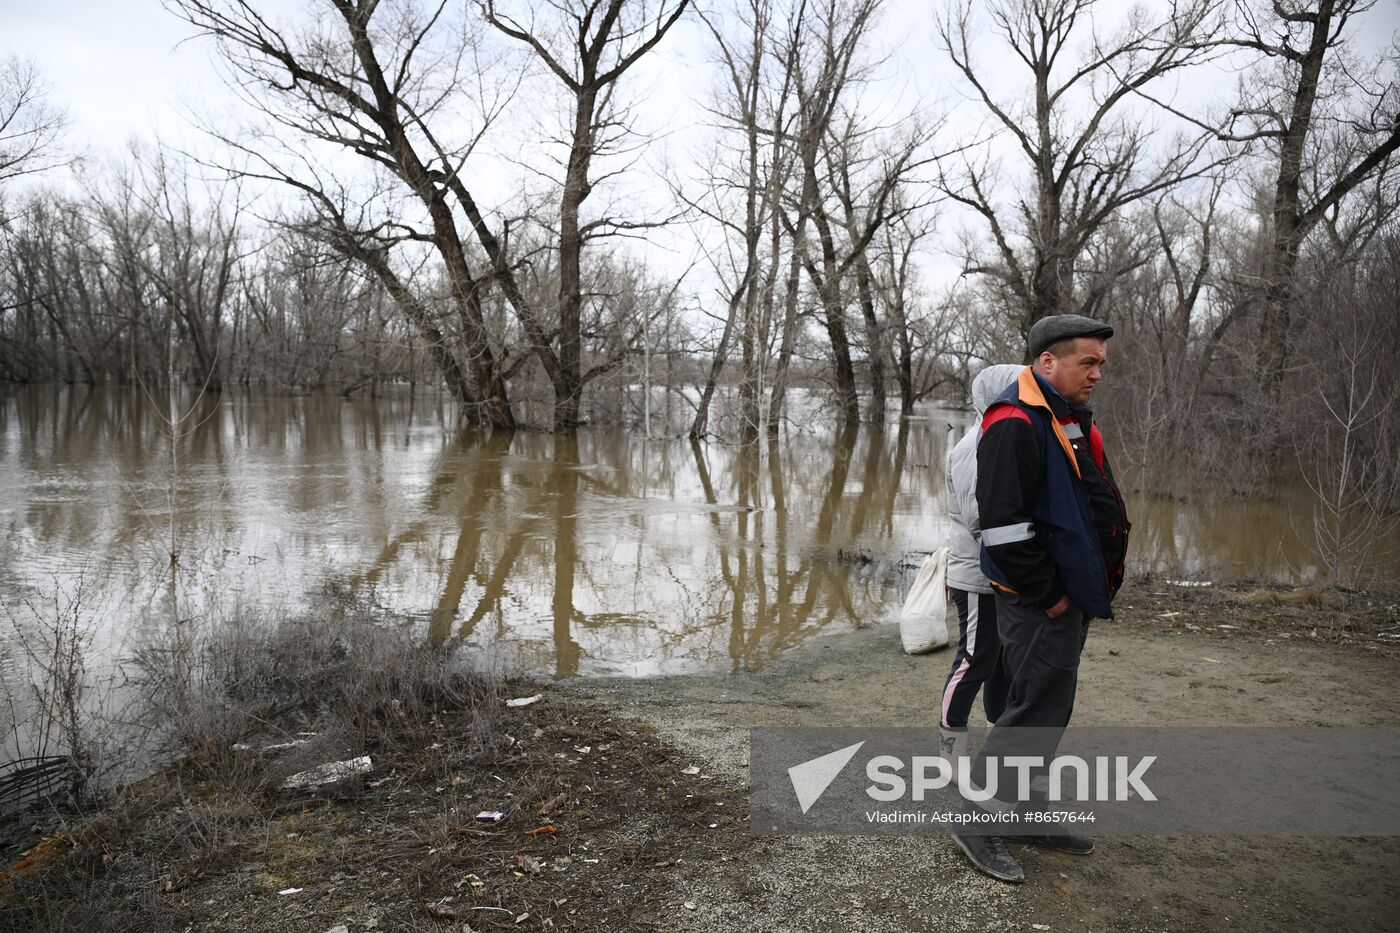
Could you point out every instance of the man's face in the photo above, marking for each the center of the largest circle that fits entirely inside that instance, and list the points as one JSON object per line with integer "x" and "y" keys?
{"x": 1075, "y": 374}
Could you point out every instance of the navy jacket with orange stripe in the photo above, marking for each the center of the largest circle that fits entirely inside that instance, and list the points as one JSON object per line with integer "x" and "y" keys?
{"x": 1053, "y": 522}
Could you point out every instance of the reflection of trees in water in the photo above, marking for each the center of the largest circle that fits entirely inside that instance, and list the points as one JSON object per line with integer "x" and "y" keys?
{"x": 708, "y": 565}
{"x": 113, "y": 446}
{"x": 808, "y": 591}
{"x": 485, "y": 485}
{"x": 565, "y": 480}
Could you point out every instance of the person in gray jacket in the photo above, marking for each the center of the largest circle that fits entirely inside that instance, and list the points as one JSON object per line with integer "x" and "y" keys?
{"x": 976, "y": 662}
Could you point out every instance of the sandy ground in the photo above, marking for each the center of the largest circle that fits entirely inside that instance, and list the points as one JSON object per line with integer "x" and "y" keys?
{"x": 1132, "y": 673}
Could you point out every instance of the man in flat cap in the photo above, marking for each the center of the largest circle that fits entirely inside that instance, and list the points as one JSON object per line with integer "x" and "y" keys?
{"x": 1054, "y": 537}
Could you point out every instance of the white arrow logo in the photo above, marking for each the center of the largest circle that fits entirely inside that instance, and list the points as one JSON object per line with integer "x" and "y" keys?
{"x": 811, "y": 778}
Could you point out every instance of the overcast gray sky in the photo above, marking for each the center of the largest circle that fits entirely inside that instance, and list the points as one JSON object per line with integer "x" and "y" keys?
{"x": 117, "y": 67}
{"x": 122, "y": 70}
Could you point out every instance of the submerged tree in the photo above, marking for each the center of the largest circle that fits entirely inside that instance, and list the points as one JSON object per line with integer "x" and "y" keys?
{"x": 388, "y": 90}
{"x": 743, "y": 182}
{"x": 830, "y": 64}
{"x": 588, "y": 46}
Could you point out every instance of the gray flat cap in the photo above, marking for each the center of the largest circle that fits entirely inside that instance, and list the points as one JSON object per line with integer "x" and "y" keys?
{"x": 1059, "y": 327}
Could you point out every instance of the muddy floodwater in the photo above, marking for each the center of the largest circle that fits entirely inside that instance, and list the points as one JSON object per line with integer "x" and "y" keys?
{"x": 595, "y": 553}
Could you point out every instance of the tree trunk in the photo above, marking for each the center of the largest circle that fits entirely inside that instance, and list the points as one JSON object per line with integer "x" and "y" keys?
{"x": 1281, "y": 261}
{"x": 748, "y": 384}
{"x": 568, "y": 387}
{"x": 494, "y": 402}
{"x": 700, "y": 425}
{"x": 874, "y": 339}
{"x": 790, "y": 295}
{"x": 904, "y": 371}
{"x": 847, "y": 398}
{"x": 744, "y": 295}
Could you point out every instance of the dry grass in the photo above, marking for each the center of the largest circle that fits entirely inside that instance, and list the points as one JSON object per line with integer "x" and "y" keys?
{"x": 1315, "y": 595}
{"x": 600, "y": 813}
{"x": 1369, "y": 619}
{"x": 339, "y": 683}
{"x": 344, "y": 674}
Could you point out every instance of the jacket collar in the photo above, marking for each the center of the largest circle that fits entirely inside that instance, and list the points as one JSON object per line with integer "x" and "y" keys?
{"x": 1031, "y": 391}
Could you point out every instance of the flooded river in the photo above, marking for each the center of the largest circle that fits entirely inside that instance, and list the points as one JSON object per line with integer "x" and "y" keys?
{"x": 594, "y": 553}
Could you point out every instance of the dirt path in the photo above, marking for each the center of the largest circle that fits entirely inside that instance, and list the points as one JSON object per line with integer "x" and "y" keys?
{"x": 1131, "y": 674}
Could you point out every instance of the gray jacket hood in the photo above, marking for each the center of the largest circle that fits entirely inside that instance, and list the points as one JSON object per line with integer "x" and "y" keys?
{"x": 991, "y": 382}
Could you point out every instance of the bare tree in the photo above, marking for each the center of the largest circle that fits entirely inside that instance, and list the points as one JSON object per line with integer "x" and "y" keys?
{"x": 741, "y": 194}
{"x": 383, "y": 90}
{"x": 1171, "y": 315}
{"x": 1331, "y": 125}
{"x": 1352, "y": 473}
{"x": 49, "y": 278}
{"x": 126, "y": 289}
{"x": 308, "y": 317}
{"x": 830, "y": 64}
{"x": 30, "y": 133}
{"x": 588, "y": 45}
{"x": 193, "y": 260}
{"x": 870, "y": 182}
{"x": 791, "y": 220}
{"x": 1076, "y": 132}
{"x": 896, "y": 280}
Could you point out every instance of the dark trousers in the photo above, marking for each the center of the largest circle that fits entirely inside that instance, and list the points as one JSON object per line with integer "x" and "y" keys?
{"x": 976, "y": 663}
{"x": 1041, "y": 658}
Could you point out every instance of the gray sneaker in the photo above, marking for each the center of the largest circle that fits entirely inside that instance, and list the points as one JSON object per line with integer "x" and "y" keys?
{"x": 990, "y": 856}
{"x": 1074, "y": 845}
